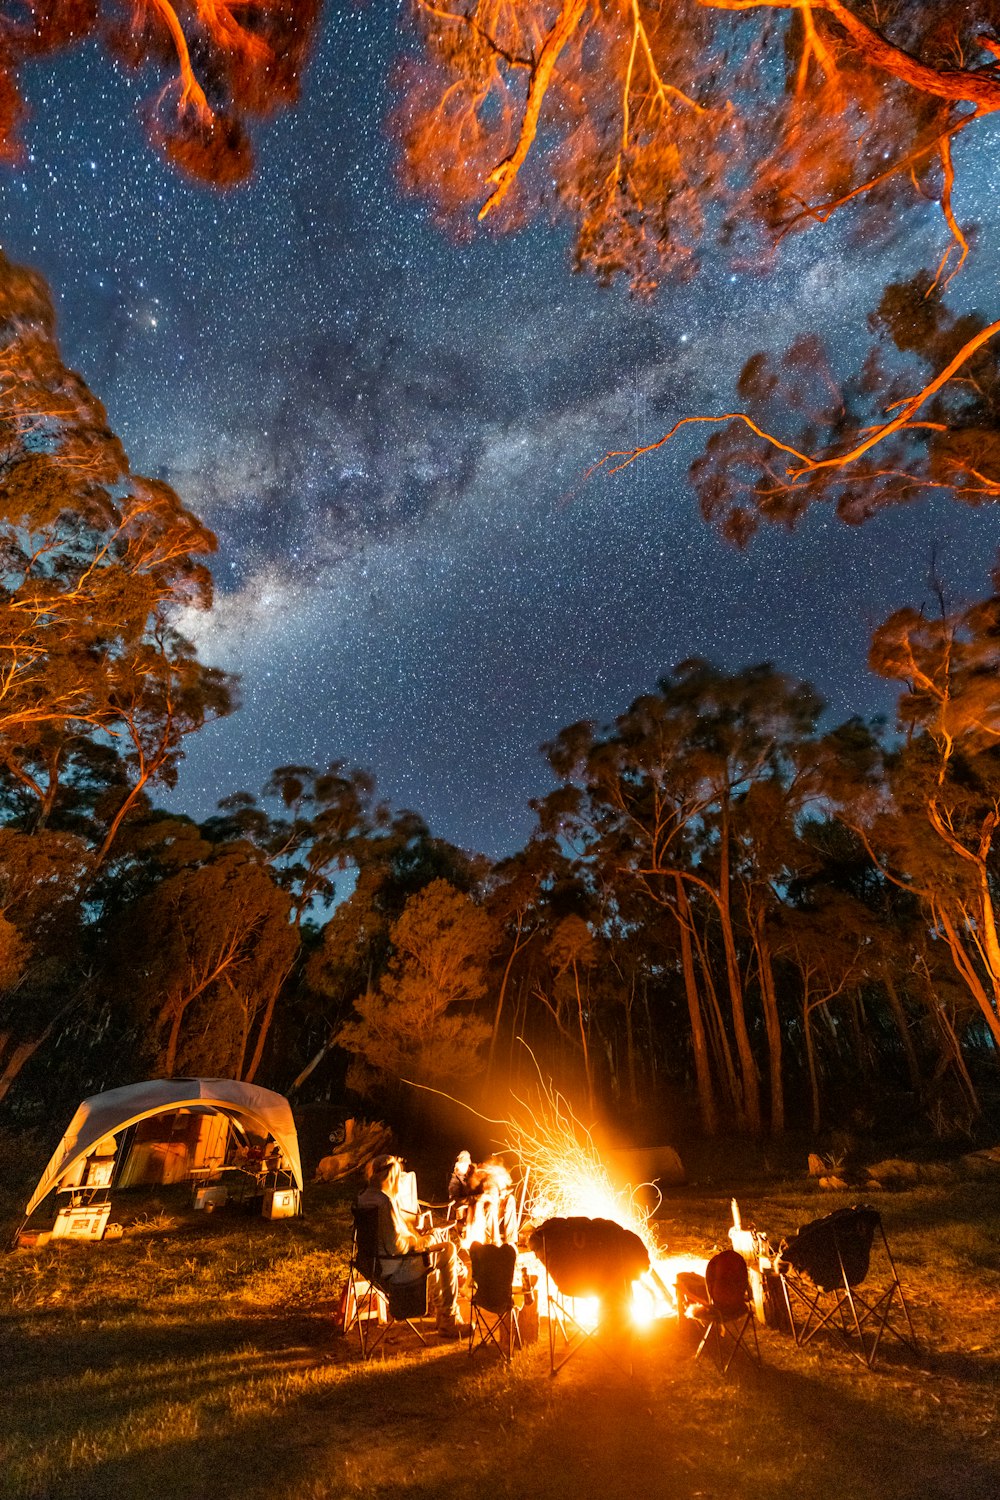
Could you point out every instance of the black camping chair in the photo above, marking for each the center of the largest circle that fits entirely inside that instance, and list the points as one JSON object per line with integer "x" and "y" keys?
{"x": 377, "y": 1299}
{"x": 588, "y": 1258}
{"x": 728, "y": 1316}
{"x": 492, "y": 1314}
{"x": 822, "y": 1269}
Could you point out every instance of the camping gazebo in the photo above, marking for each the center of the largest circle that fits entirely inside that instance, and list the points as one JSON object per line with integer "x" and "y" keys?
{"x": 105, "y": 1142}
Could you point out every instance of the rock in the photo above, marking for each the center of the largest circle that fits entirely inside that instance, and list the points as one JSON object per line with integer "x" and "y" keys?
{"x": 833, "y": 1184}
{"x": 817, "y": 1166}
{"x": 637, "y": 1165}
{"x": 895, "y": 1172}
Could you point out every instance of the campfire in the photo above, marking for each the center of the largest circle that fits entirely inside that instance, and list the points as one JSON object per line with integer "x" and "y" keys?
{"x": 567, "y": 1178}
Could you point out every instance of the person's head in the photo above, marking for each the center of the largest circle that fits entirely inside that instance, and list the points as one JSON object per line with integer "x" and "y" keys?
{"x": 490, "y": 1179}
{"x": 385, "y": 1173}
{"x": 463, "y": 1164}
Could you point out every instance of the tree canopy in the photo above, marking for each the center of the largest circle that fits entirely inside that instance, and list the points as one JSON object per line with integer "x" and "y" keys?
{"x": 662, "y": 134}
{"x": 213, "y": 66}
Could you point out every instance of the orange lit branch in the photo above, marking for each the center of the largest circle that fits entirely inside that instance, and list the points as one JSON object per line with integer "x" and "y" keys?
{"x": 615, "y": 461}
{"x": 191, "y": 90}
{"x": 503, "y": 176}
{"x": 941, "y": 143}
{"x": 979, "y": 87}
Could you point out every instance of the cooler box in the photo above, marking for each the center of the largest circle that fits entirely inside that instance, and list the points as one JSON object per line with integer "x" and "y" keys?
{"x": 214, "y": 1195}
{"x": 281, "y": 1203}
{"x": 83, "y": 1223}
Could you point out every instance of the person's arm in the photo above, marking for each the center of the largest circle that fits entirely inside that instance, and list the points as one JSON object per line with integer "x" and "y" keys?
{"x": 395, "y": 1232}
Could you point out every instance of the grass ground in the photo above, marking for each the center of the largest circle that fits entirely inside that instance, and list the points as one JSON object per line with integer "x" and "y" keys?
{"x": 194, "y": 1359}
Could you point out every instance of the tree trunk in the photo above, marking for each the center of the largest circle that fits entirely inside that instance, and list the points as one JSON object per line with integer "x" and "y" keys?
{"x": 173, "y": 1038}
{"x": 22, "y": 1054}
{"x": 772, "y": 1020}
{"x": 807, "y": 1033}
{"x": 584, "y": 1040}
{"x": 967, "y": 970}
{"x": 748, "y": 1065}
{"x": 717, "y": 1033}
{"x": 707, "y": 1109}
{"x": 515, "y": 950}
{"x": 902, "y": 1026}
{"x": 265, "y": 1025}
{"x": 954, "y": 1049}
{"x": 633, "y": 1080}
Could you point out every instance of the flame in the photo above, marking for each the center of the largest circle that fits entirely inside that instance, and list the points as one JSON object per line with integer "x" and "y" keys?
{"x": 567, "y": 1178}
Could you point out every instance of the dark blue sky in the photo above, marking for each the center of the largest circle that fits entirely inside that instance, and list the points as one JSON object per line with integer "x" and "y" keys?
{"x": 388, "y": 432}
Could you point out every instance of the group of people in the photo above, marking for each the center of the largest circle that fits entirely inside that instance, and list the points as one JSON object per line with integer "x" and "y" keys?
{"x": 483, "y": 1210}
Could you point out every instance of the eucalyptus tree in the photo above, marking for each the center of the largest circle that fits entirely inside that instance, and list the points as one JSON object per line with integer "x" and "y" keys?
{"x": 657, "y": 798}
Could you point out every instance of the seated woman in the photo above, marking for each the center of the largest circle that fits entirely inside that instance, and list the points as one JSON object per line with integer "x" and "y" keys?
{"x": 399, "y": 1236}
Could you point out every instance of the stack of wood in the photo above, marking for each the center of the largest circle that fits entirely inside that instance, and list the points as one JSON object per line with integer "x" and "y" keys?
{"x": 363, "y": 1141}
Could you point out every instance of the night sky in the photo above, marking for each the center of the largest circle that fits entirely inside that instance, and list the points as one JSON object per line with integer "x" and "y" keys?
{"x": 388, "y": 432}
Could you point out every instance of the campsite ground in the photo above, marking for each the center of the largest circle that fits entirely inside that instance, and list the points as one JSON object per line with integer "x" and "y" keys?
{"x": 194, "y": 1359}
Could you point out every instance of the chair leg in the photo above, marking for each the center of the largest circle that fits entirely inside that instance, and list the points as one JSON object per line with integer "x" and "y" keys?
{"x": 370, "y": 1307}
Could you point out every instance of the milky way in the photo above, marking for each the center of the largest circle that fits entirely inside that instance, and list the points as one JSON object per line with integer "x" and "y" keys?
{"x": 388, "y": 432}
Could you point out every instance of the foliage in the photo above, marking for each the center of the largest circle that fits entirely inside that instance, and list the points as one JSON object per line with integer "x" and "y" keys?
{"x": 417, "y": 1025}
{"x": 217, "y": 66}
{"x": 659, "y": 130}
{"x": 95, "y": 566}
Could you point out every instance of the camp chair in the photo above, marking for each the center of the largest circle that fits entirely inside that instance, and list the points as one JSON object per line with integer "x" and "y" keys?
{"x": 492, "y": 1313}
{"x": 375, "y": 1297}
{"x": 822, "y": 1269}
{"x": 587, "y": 1259}
{"x": 729, "y": 1315}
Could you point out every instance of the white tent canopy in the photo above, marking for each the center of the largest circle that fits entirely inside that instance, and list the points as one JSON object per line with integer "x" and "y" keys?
{"x": 260, "y": 1111}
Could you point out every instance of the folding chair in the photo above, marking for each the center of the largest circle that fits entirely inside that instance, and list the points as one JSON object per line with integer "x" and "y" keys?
{"x": 588, "y": 1259}
{"x": 821, "y": 1271}
{"x": 492, "y": 1312}
{"x": 380, "y": 1299}
{"x": 729, "y": 1314}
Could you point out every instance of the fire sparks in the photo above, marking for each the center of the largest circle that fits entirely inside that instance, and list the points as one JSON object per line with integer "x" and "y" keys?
{"x": 567, "y": 1178}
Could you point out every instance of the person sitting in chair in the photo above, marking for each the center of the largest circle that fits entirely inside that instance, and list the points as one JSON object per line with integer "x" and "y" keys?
{"x": 492, "y": 1217}
{"x": 399, "y": 1236}
{"x": 458, "y": 1184}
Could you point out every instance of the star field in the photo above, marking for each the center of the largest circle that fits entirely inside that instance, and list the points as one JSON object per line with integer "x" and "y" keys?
{"x": 388, "y": 433}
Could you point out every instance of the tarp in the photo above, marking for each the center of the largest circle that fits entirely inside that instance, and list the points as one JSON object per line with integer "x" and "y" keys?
{"x": 261, "y": 1111}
